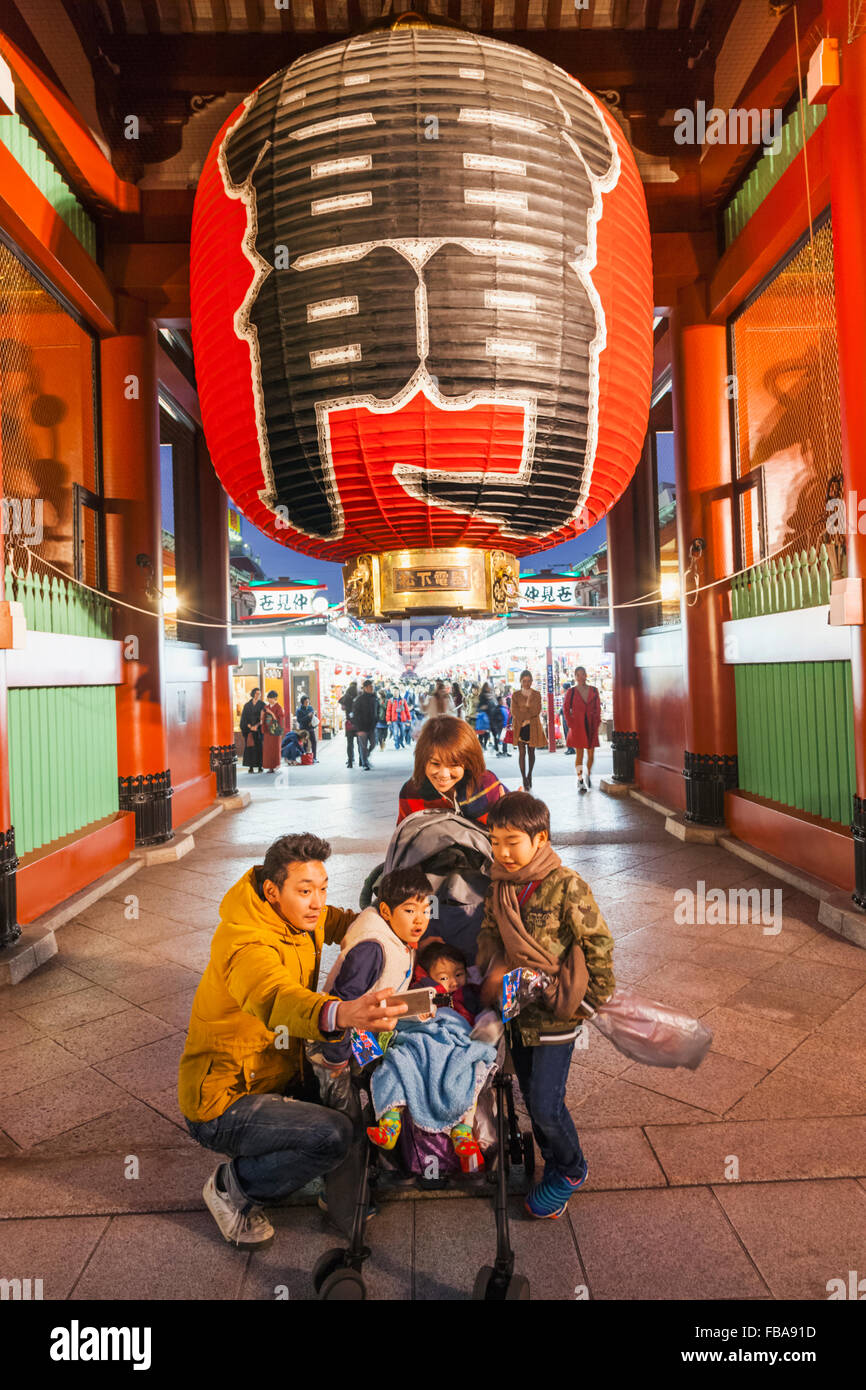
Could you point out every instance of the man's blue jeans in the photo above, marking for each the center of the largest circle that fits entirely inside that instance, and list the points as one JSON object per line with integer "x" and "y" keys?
{"x": 276, "y": 1144}
{"x": 397, "y": 733}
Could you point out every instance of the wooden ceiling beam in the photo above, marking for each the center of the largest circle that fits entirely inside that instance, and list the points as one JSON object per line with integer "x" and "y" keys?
{"x": 220, "y": 11}
{"x": 553, "y": 14}
{"x": 255, "y": 18}
{"x": 239, "y": 61}
{"x": 117, "y": 15}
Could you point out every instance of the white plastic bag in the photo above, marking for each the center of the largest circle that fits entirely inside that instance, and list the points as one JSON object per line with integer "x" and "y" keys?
{"x": 650, "y": 1032}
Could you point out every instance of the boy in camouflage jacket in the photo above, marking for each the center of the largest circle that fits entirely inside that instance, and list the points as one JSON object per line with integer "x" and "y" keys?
{"x": 557, "y": 916}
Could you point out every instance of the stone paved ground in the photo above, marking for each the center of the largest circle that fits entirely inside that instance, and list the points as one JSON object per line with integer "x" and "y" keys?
{"x": 90, "y": 1046}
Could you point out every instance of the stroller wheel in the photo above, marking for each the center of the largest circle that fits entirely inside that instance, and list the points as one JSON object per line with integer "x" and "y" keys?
{"x": 528, "y": 1148}
{"x": 326, "y": 1265}
{"x": 345, "y": 1285}
{"x": 487, "y": 1290}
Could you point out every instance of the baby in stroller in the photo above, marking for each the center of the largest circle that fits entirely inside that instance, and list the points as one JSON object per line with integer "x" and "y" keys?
{"x": 431, "y": 1067}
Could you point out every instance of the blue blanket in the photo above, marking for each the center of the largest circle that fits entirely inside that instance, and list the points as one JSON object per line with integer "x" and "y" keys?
{"x": 434, "y": 1068}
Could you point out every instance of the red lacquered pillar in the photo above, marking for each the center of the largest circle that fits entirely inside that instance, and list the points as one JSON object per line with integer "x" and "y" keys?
{"x": 846, "y": 121}
{"x": 9, "y": 928}
{"x": 212, "y": 601}
{"x": 622, "y": 587}
{"x": 703, "y": 475}
{"x": 131, "y": 483}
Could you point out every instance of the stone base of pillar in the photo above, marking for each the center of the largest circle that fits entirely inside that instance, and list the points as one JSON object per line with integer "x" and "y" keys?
{"x": 34, "y": 946}
{"x": 167, "y": 853}
{"x": 708, "y": 776}
{"x": 237, "y": 802}
{"x": 693, "y": 833}
{"x": 615, "y": 788}
{"x": 840, "y": 915}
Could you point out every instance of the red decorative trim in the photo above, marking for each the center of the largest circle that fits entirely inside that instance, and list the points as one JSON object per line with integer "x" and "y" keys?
{"x": 64, "y": 131}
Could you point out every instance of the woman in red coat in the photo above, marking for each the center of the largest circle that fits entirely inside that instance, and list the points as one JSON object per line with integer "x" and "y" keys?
{"x": 582, "y": 711}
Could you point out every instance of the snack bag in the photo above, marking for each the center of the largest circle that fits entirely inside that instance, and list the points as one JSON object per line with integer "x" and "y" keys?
{"x": 519, "y": 988}
{"x": 365, "y": 1047}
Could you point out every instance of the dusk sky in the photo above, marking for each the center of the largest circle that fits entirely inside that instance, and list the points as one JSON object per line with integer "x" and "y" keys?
{"x": 279, "y": 562}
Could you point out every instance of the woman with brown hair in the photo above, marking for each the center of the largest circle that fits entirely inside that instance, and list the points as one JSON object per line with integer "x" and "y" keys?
{"x": 450, "y": 774}
{"x": 527, "y": 725}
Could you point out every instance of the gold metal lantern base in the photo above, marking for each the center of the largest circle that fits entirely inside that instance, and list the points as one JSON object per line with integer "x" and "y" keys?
{"x": 401, "y": 583}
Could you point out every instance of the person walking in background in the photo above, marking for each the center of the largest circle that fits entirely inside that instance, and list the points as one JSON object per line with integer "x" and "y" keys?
{"x": 582, "y": 711}
{"x": 382, "y": 698}
{"x": 470, "y": 704}
{"x": 399, "y": 716}
{"x": 439, "y": 701}
{"x": 488, "y": 702}
{"x": 565, "y": 689}
{"x": 346, "y": 702}
{"x": 457, "y": 698}
{"x": 251, "y": 730}
{"x": 365, "y": 712}
{"x": 505, "y": 713}
{"x": 308, "y": 722}
{"x": 273, "y": 728}
{"x": 528, "y": 728}
{"x": 482, "y": 727}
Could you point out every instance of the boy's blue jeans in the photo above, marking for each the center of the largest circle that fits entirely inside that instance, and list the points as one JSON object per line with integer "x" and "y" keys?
{"x": 276, "y": 1144}
{"x": 542, "y": 1073}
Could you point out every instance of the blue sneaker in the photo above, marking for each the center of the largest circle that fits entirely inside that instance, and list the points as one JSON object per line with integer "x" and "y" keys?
{"x": 549, "y": 1198}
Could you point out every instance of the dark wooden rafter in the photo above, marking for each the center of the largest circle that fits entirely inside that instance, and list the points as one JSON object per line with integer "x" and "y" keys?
{"x": 287, "y": 20}
{"x": 355, "y": 15}
{"x": 220, "y": 14}
{"x": 150, "y": 13}
{"x": 320, "y": 15}
{"x": 653, "y": 14}
{"x": 117, "y": 15}
{"x": 619, "y": 18}
{"x": 487, "y": 14}
{"x": 236, "y": 62}
{"x": 454, "y": 10}
{"x": 253, "y": 12}
{"x": 553, "y": 14}
{"x": 521, "y": 13}
{"x": 685, "y": 14}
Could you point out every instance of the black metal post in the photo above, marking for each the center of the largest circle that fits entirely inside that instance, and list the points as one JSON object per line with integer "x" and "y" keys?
{"x": 150, "y": 798}
{"x": 708, "y": 776}
{"x": 624, "y": 744}
{"x": 9, "y": 928}
{"x": 858, "y": 830}
{"x": 224, "y": 762}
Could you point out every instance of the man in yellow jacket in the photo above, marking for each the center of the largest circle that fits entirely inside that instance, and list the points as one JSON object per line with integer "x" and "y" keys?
{"x": 242, "y": 1070}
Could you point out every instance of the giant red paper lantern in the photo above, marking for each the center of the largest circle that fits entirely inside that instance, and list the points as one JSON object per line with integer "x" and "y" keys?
{"x": 422, "y": 301}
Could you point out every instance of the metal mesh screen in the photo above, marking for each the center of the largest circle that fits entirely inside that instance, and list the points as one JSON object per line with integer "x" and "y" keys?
{"x": 787, "y": 425}
{"x": 47, "y": 434}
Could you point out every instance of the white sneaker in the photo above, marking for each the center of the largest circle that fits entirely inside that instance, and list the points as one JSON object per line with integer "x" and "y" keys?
{"x": 249, "y": 1230}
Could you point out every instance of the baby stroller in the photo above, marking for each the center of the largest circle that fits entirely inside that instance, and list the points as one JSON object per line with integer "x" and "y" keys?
{"x": 455, "y": 854}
